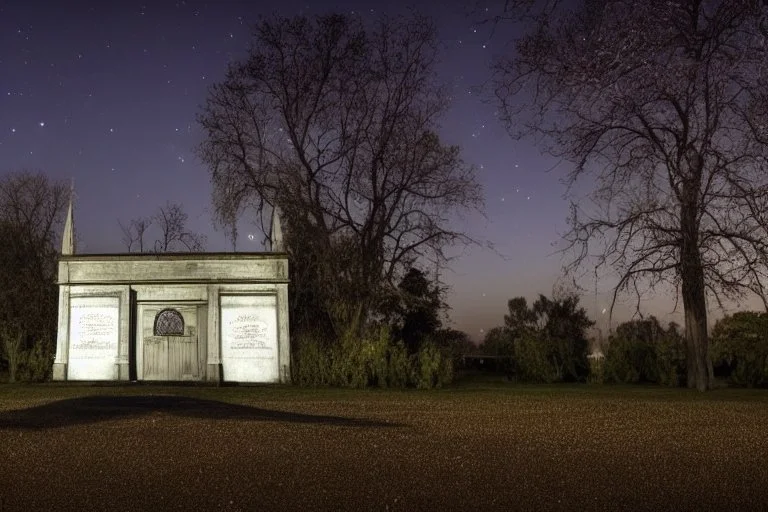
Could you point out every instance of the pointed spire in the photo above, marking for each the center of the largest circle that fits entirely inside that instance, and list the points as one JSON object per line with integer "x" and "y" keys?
{"x": 276, "y": 232}
{"x": 68, "y": 239}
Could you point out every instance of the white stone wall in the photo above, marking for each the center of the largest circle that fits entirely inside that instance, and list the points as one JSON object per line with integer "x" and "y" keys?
{"x": 164, "y": 268}
{"x": 132, "y": 281}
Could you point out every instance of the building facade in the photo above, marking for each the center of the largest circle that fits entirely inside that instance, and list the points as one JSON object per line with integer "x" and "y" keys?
{"x": 218, "y": 317}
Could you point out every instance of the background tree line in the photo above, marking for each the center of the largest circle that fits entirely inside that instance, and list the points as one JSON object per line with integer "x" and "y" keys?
{"x": 643, "y": 351}
{"x": 662, "y": 104}
{"x": 547, "y": 342}
{"x": 544, "y": 342}
{"x": 32, "y": 210}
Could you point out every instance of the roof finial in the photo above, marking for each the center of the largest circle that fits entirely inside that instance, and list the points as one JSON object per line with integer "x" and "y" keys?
{"x": 276, "y": 232}
{"x": 68, "y": 239}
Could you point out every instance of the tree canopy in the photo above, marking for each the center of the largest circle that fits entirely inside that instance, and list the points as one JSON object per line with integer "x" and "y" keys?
{"x": 334, "y": 122}
{"x": 418, "y": 310}
{"x": 546, "y": 340}
{"x": 31, "y": 218}
{"x": 664, "y": 104}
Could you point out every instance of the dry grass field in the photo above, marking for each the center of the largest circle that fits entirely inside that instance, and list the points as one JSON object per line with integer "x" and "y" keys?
{"x": 472, "y": 447}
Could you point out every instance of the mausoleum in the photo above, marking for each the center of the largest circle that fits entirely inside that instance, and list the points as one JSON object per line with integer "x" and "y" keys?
{"x": 220, "y": 317}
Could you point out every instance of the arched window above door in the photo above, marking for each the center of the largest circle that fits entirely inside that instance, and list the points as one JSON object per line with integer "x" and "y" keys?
{"x": 169, "y": 322}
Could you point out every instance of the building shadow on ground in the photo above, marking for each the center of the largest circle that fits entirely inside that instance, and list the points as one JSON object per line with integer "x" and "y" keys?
{"x": 93, "y": 409}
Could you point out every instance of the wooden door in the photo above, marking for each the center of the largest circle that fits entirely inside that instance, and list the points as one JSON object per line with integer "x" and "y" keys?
{"x": 182, "y": 355}
{"x": 170, "y": 354}
{"x": 155, "y": 357}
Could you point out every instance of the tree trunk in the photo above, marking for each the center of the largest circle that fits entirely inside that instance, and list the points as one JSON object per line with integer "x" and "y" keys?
{"x": 698, "y": 365}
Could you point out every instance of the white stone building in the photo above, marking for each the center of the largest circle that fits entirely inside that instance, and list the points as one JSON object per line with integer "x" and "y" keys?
{"x": 220, "y": 317}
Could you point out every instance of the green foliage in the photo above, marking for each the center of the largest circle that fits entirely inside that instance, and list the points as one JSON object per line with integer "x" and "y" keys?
{"x": 33, "y": 364}
{"x": 311, "y": 361}
{"x": 373, "y": 360}
{"x": 498, "y": 341}
{"x": 520, "y": 319}
{"x": 547, "y": 340}
{"x": 740, "y": 341}
{"x": 642, "y": 351}
{"x": 433, "y": 368}
{"x": 531, "y": 360}
{"x": 354, "y": 352}
{"x": 11, "y": 347}
{"x": 623, "y": 362}
{"x": 453, "y": 343}
{"x": 416, "y": 309}
{"x": 670, "y": 359}
{"x": 596, "y": 370}
{"x": 399, "y": 370}
{"x": 38, "y": 361}
{"x": 357, "y": 363}
{"x": 500, "y": 344}
{"x": 564, "y": 327}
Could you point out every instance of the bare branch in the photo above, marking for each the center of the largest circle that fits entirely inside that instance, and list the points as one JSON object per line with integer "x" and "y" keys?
{"x": 663, "y": 103}
{"x": 335, "y": 122}
{"x": 170, "y": 222}
{"x": 32, "y": 209}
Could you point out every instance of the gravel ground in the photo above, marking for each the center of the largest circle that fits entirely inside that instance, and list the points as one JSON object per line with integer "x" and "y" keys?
{"x": 514, "y": 448}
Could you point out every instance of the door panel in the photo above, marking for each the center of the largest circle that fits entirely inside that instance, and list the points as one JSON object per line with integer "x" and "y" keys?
{"x": 155, "y": 357}
{"x": 170, "y": 357}
{"x": 182, "y": 355}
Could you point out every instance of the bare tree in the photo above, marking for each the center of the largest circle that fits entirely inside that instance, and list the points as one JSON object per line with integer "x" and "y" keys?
{"x": 663, "y": 103}
{"x": 170, "y": 222}
{"x": 31, "y": 215}
{"x": 334, "y": 122}
{"x": 133, "y": 233}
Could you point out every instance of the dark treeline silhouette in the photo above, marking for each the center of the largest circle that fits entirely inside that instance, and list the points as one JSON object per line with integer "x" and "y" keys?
{"x": 663, "y": 104}
{"x": 32, "y": 209}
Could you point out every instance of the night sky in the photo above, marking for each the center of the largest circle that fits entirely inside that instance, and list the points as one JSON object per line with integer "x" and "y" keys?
{"x": 106, "y": 93}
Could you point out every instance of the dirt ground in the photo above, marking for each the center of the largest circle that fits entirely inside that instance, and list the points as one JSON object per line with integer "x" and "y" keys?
{"x": 262, "y": 448}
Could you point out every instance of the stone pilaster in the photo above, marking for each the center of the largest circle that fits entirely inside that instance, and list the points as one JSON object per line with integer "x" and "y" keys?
{"x": 62, "y": 335}
{"x": 214, "y": 373}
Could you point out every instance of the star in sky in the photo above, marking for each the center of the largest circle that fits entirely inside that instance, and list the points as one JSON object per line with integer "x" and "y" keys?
{"x": 114, "y": 89}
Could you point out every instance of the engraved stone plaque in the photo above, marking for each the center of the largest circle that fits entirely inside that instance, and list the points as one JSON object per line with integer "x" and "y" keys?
{"x": 249, "y": 338}
{"x": 93, "y": 337}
